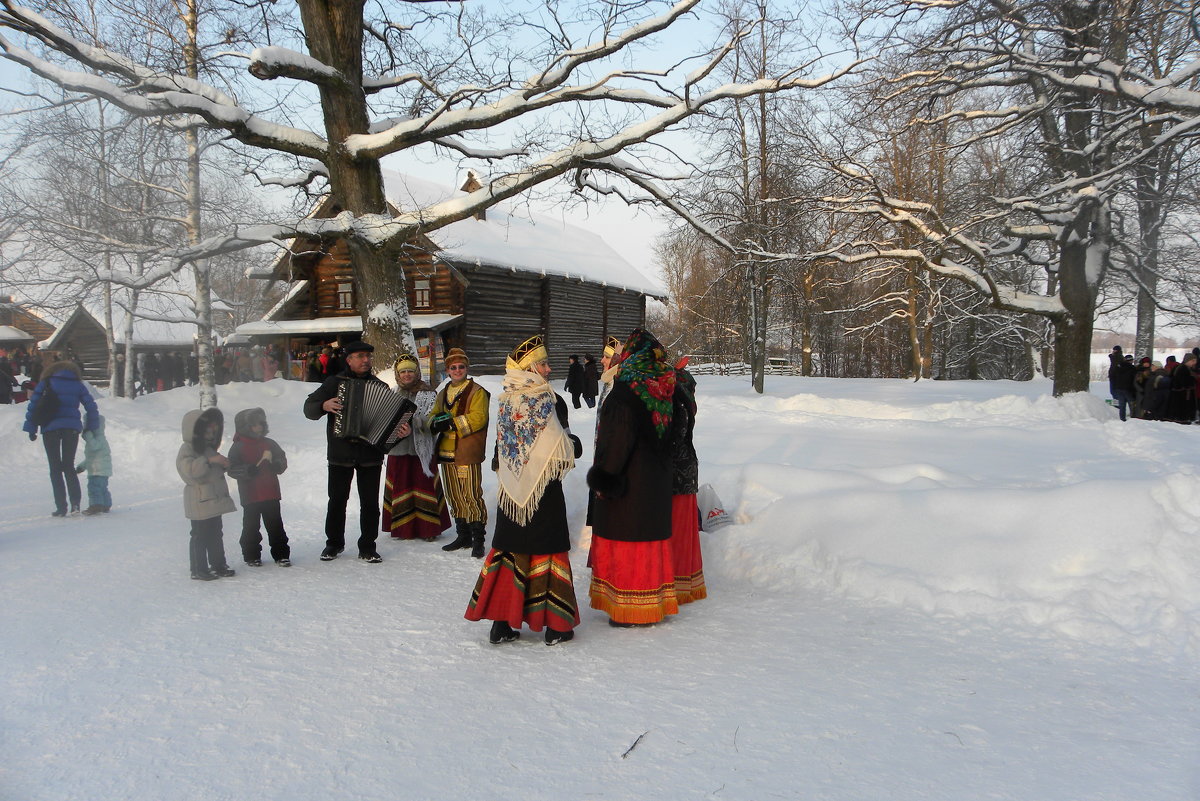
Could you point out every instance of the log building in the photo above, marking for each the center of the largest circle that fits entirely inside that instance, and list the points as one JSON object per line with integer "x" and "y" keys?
{"x": 482, "y": 284}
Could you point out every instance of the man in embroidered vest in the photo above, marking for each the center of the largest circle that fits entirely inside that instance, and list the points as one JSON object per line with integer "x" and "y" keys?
{"x": 460, "y": 419}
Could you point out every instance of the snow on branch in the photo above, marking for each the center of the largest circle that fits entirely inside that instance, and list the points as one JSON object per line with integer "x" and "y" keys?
{"x": 269, "y": 63}
{"x": 143, "y": 91}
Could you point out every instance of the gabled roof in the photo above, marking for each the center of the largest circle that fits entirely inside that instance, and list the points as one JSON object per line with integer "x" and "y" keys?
{"x": 508, "y": 237}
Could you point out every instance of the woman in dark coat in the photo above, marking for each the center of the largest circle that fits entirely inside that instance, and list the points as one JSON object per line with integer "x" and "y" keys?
{"x": 574, "y": 382}
{"x": 60, "y": 434}
{"x": 526, "y": 578}
{"x": 1181, "y": 407}
{"x": 632, "y": 575}
{"x": 686, "y": 558}
{"x": 591, "y": 380}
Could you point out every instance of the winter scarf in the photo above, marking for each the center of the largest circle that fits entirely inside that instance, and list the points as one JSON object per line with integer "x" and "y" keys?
{"x": 644, "y": 368}
{"x": 532, "y": 449}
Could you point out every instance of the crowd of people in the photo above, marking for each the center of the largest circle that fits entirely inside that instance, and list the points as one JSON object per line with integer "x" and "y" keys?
{"x": 644, "y": 545}
{"x": 1150, "y": 390}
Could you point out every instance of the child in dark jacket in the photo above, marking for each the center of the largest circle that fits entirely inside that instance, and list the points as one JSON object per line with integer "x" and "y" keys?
{"x": 256, "y": 462}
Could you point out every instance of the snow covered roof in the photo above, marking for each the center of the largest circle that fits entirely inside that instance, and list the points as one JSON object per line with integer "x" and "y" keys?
{"x": 334, "y": 325}
{"x": 169, "y": 307}
{"x": 521, "y": 239}
{"x": 518, "y": 239}
{"x": 10, "y": 334}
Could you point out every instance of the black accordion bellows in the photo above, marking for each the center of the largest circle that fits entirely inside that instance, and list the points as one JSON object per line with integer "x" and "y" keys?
{"x": 370, "y": 412}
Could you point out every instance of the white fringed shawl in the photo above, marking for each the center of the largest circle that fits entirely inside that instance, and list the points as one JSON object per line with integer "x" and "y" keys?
{"x": 531, "y": 446}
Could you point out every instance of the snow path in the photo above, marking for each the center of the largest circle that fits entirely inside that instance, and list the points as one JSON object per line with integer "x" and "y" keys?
{"x": 121, "y": 679}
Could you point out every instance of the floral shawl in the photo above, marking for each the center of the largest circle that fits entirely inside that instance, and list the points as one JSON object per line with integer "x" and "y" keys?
{"x": 423, "y": 439}
{"x": 645, "y": 369}
{"x": 532, "y": 449}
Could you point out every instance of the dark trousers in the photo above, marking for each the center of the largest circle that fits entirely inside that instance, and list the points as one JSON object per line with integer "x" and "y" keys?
{"x": 207, "y": 549}
{"x": 340, "y": 477}
{"x": 251, "y": 540}
{"x": 60, "y": 447}
{"x": 575, "y": 399}
{"x": 1123, "y": 397}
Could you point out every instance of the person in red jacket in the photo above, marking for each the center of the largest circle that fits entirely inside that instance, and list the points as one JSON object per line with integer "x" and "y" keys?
{"x": 256, "y": 461}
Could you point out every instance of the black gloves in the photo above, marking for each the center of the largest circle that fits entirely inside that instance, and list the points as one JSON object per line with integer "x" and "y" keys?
{"x": 32, "y": 437}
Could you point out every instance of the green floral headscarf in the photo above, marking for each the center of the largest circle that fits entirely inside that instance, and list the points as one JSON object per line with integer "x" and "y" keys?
{"x": 645, "y": 369}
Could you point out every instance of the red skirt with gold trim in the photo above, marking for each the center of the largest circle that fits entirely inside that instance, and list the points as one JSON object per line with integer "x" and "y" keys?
{"x": 686, "y": 561}
{"x": 413, "y": 503}
{"x": 632, "y": 582}
{"x": 535, "y": 589}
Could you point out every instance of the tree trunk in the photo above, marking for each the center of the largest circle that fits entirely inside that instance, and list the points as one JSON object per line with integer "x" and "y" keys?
{"x": 1073, "y": 332}
{"x": 334, "y": 32}
{"x": 914, "y": 334}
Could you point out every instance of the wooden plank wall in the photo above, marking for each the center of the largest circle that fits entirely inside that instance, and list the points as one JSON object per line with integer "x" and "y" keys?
{"x": 574, "y": 322}
{"x": 502, "y": 308}
{"x": 625, "y": 312}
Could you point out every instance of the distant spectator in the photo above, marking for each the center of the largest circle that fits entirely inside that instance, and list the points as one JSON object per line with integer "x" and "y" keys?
{"x": 8, "y": 380}
{"x": 97, "y": 461}
{"x": 1121, "y": 384}
{"x": 60, "y": 430}
{"x": 591, "y": 380}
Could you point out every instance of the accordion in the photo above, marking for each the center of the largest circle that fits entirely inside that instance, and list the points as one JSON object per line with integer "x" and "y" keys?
{"x": 371, "y": 411}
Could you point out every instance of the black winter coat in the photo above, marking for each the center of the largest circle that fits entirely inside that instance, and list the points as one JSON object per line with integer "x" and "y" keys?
{"x": 343, "y": 452}
{"x": 546, "y": 532}
{"x": 591, "y": 379}
{"x": 685, "y": 479}
{"x": 631, "y": 474}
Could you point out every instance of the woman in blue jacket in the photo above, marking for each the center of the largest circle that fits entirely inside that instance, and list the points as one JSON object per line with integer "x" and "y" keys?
{"x": 60, "y": 433}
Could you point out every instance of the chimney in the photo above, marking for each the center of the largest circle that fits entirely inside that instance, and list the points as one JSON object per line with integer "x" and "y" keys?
{"x": 470, "y": 185}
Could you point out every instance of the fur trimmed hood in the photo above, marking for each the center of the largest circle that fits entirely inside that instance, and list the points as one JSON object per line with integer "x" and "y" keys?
{"x": 194, "y": 423}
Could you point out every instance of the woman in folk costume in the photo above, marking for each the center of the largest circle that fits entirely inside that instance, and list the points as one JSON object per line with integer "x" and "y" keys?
{"x": 609, "y": 360}
{"x": 632, "y": 576}
{"x": 460, "y": 419}
{"x": 413, "y": 504}
{"x": 685, "y": 515}
{"x": 527, "y": 575}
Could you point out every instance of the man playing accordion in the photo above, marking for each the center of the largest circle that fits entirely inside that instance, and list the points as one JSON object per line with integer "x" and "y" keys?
{"x": 348, "y": 459}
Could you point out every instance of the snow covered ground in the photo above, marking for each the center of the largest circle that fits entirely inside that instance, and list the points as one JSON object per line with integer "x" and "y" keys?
{"x": 939, "y": 590}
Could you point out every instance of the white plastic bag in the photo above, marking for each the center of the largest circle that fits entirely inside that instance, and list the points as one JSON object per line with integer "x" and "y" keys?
{"x": 712, "y": 512}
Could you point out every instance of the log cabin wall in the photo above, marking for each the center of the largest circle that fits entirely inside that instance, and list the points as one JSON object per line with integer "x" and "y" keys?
{"x": 624, "y": 311}
{"x": 575, "y": 321}
{"x": 331, "y": 272}
{"x": 502, "y": 308}
{"x": 14, "y": 315}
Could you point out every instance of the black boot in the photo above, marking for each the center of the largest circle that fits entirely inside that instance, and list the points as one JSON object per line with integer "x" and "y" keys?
{"x": 462, "y": 536}
{"x": 477, "y": 535}
{"x": 502, "y": 632}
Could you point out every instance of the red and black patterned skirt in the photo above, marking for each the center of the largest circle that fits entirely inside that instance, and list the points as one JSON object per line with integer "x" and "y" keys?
{"x": 535, "y": 589}
{"x": 413, "y": 503}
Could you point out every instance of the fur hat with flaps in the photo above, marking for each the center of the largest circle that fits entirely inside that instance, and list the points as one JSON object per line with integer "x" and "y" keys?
{"x": 244, "y": 420}
{"x": 527, "y": 354}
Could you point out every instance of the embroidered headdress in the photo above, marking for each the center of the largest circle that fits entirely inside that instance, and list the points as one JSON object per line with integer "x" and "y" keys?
{"x": 527, "y": 354}
{"x": 406, "y": 361}
{"x": 612, "y": 346}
